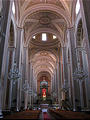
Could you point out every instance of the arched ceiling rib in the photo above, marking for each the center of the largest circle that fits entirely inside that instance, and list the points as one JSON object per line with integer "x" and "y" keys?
{"x": 49, "y": 7}
{"x": 32, "y": 16}
{"x": 42, "y": 64}
{"x": 61, "y": 3}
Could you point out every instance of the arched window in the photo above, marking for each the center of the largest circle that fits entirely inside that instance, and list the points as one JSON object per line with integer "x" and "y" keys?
{"x": 77, "y": 7}
{"x": 54, "y": 37}
{"x": 34, "y": 37}
{"x": 13, "y": 8}
{"x": 44, "y": 37}
{"x": 0, "y": 5}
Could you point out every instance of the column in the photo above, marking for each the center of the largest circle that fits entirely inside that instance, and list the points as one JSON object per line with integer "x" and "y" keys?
{"x": 65, "y": 69}
{"x": 32, "y": 87}
{"x": 29, "y": 81}
{"x": 18, "y": 51}
{"x": 81, "y": 94}
{"x": 84, "y": 4}
{"x": 54, "y": 82}
{"x": 51, "y": 84}
{"x": 26, "y": 100}
{"x": 73, "y": 59}
{"x": 85, "y": 7}
{"x": 19, "y": 38}
{"x": 70, "y": 83}
{"x": 52, "y": 88}
{"x": 30, "y": 78}
{"x": 5, "y": 15}
{"x": 60, "y": 75}
{"x": 5, "y": 82}
{"x": 26, "y": 73}
{"x": 55, "y": 85}
{"x": 57, "y": 79}
{"x": 58, "y": 82}
{"x": 11, "y": 50}
{"x": 85, "y": 68}
{"x": 1, "y": 115}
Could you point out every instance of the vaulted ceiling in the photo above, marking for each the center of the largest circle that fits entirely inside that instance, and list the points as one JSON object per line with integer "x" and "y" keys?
{"x": 43, "y": 16}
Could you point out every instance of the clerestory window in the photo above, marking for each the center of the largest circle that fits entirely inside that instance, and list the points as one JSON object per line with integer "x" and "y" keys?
{"x": 44, "y": 37}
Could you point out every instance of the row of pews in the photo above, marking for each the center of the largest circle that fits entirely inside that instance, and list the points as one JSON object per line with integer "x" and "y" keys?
{"x": 28, "y": 114}
{"x": 62, "y": 114}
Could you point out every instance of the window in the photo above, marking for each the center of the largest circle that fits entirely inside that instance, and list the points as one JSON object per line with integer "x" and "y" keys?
{"x": 0, "y": 5}
{"x": 44, "y": 37}
{"x": 54, "y": 37}
{"x": 34, "y": 37}
{"x": 77, "y": 7}
{"x": 13, "y": 8}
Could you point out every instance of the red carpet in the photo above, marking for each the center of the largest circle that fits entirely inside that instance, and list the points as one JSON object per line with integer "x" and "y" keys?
{"x": 45, "y": 116}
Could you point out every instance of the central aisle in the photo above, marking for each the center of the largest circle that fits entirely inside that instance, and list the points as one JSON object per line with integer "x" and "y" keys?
{"x": 45, "y": 115}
